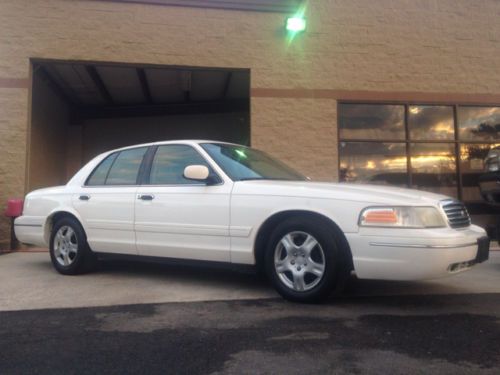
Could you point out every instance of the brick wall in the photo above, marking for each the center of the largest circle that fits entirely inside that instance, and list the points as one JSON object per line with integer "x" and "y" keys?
{"x": 47, "y": 138}
{"x": 13, "y": 122}
{"x": 422, "y": 46}
{"x": 300, "y": 131}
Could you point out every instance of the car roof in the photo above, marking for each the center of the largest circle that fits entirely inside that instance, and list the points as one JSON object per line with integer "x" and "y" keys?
{"x": 179, "y": 141}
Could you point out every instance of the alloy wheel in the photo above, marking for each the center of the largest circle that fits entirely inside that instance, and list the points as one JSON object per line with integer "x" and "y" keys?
{"x": 299, "y": 261}
{"x": 65, "y": 246}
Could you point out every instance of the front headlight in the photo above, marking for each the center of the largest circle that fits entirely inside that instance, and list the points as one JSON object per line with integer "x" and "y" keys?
{"x": 401, "y": 217}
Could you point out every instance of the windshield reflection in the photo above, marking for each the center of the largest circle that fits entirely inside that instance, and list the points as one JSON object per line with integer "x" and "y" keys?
{"x": 243, "y": 163}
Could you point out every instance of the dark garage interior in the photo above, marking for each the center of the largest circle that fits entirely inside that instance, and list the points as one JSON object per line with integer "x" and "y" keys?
{"x": 80, "y": 109}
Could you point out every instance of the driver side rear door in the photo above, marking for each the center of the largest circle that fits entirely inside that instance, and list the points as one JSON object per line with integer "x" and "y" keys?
{"x": 106, "y": 202}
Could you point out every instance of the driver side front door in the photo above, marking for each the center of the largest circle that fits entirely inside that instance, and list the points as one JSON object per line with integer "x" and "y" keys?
{"x": 180, "y": 218}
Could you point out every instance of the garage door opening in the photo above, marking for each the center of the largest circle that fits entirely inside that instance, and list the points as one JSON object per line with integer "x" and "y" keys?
{"x": 81, "y": 109}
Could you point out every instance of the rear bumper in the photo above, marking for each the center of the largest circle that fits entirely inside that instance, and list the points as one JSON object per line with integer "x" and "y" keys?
{"x": 427, "y": 254}
{"x": 29, "y": 230}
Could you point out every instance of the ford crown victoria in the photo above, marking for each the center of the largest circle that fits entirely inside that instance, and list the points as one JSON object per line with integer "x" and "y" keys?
{"x": 221, "y": 202}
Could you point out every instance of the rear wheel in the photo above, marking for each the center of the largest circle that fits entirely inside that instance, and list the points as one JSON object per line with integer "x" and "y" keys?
{"x": 304, "y": 260}
{"x": 69, "y": 251}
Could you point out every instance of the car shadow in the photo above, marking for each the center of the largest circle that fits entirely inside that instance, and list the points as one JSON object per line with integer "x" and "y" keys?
{"x": 182, "y": 272}
{"x": 355, "y": 288}
{"x": 368, "y": 288}
{"x": 221, "y": 277}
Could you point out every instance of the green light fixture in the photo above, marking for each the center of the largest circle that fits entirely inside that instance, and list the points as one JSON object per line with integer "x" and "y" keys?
{"x": 295, "y": 24}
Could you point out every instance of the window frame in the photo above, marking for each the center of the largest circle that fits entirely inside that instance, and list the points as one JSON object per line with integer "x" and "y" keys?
{"x": 458, "y": 127}
{"x": 456, "y": 141}
{"x": 392, "y": 140}
{"x": 377, "y": 142}
{"x": 453, "y": 107}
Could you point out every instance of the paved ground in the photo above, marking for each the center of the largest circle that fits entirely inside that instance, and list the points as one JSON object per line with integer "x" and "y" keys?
{"x": 232, "y": 323}
{"x": 28, "y": 281}
{"x": 450, "y": 334}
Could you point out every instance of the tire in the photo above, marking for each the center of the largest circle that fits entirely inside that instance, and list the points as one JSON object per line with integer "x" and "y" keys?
{"x": 305, "y": 261}
{"x": 69, "y": 251}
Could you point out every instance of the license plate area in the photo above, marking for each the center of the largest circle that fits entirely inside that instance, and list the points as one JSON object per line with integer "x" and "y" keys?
{"x": 483, "y": 249}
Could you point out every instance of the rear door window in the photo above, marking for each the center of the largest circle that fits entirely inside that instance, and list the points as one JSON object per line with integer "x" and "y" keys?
{"x": 125, "y": 168}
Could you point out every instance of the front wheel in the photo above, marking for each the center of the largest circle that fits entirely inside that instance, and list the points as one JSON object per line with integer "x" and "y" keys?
{"x": 304, "y": 260}
{"x": 69, "y": 251}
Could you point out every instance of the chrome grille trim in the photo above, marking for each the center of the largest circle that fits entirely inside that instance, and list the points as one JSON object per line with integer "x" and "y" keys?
{"x": 456, "y": 213}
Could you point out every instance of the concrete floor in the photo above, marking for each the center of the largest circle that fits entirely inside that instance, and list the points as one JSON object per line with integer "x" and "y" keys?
{"x": 28, "y": 281}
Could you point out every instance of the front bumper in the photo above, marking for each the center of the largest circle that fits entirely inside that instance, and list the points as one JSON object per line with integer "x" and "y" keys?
{"x": 489, "y": 185}
{"x": 416, "y": 254}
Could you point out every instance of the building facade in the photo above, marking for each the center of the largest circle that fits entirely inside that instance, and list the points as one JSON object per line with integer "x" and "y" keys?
{"x": 402, "y": 92}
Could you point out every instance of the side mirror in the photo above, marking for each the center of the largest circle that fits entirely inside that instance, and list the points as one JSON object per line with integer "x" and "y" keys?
{"x": 196, "y": 172}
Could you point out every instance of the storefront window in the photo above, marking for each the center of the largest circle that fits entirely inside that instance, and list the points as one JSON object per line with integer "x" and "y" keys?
{"x": 472, "y": 157}
{"x": 479, "y": 123}
{"x": 434, "y": 167}
{"x": 427, "y": 122}
{"x": 425, "y": 134}
{"x": 374, "y": 162}
{"x": 372, "y": 121}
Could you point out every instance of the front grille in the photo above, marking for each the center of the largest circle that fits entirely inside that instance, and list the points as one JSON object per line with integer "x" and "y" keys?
{"x": 456, "y": 213}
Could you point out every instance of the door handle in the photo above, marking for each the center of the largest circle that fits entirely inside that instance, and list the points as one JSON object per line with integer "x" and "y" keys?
{"x": 146, "y": 197}
{"x": 84, "y": 197}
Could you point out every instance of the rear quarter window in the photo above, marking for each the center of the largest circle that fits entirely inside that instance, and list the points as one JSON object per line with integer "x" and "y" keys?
{"x": 120, "y": 168}
{"x": 98, "y": 176}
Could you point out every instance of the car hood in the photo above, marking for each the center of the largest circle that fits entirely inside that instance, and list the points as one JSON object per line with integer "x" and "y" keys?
{"x": 375, "y": 194}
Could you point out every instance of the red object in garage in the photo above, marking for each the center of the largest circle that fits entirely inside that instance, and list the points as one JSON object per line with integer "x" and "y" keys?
{"x": 14, "y": 208}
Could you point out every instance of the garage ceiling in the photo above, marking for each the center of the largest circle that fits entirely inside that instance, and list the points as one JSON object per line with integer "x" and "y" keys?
{"x": 102, "y": 90}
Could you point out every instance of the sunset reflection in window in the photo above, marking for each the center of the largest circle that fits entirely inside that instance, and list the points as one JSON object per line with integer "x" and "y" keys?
{"x": 416, "y": 145}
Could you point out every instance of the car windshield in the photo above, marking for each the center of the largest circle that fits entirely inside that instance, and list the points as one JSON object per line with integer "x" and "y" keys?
{"x": 243, "y": 163}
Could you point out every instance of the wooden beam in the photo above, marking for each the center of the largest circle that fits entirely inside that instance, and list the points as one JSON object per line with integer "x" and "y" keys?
{"x": 94, "y": 74}
{"x": 226, "y": 106}
{"x": 144, "y": 85}
{"x": 281, "y": 6}
{"x": 226, "y": 84}
{"x": 66, "y": 95}
{"x": 365, "y": 96}
{"x": 14, "y": 83}
{"x": 185, "y": 77}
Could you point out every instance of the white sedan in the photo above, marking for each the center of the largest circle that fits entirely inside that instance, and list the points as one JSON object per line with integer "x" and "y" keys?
{"x": 221, "y": 202}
